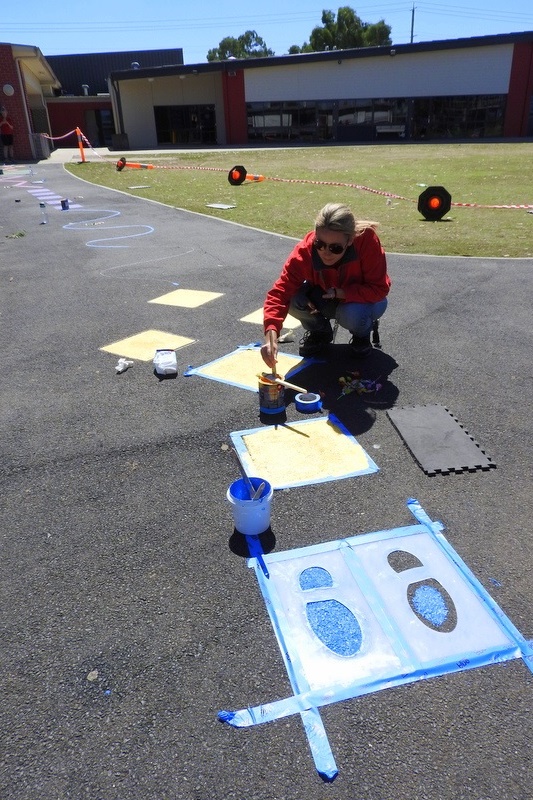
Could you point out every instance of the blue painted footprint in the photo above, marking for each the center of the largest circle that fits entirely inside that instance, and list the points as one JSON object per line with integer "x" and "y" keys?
{"x": 331, "y": 621}
{"x": 428, "y": 599}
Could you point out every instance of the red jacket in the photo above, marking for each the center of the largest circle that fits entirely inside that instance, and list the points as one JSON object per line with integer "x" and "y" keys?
{"x": 361, "y": 272}
{"x": 6, "y": 125}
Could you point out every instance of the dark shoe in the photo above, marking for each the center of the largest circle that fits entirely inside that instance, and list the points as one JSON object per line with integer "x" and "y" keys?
{"x": 361, "y": 345}
{"x": 313, "y": 341}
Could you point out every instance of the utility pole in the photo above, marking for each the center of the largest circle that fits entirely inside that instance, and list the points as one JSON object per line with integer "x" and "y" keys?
{"x": 412, "y": 22}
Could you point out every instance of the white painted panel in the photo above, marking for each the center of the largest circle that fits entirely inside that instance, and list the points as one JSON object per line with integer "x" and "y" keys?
{"x": 479, "y": 70}
{"x": 167, "y": 91}
{"x": 138, "y": 123}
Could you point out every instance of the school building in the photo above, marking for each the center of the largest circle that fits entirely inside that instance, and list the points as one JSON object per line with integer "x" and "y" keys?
{"x": 457, "y": 89}
{"x": 472, "y": 88}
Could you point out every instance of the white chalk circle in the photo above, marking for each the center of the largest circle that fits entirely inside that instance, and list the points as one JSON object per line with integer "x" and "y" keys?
{"x": 8, "y": 90}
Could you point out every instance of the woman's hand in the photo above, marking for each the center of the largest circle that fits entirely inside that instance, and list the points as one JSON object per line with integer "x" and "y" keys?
{"x": 269, "y": 351}
{"x": 334, "y": 294}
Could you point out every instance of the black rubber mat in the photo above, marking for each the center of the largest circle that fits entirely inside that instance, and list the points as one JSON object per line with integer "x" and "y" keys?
{"x": 438, "y": 442}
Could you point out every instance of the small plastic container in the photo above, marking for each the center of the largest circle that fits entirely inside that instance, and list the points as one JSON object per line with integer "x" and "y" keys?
{"x": 165, "y": 362}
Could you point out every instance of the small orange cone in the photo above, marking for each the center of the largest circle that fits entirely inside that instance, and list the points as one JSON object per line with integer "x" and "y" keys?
{"x": 238, "y": 175}
{"x": 121, "y": 163}
{"x": 80, "y": 145}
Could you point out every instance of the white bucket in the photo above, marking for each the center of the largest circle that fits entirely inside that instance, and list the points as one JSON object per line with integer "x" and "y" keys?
{"x": 251, "y": 517}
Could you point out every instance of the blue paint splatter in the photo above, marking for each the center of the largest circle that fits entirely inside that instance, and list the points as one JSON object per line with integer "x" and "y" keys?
{"x": 429, "y": 603}
{"x": 336, "y": 626}
{"x": 315, "y": 578}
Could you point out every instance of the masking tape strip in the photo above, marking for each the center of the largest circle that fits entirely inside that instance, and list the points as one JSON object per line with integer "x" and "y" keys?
{"x": 307, "y": 403}
{"x": 526, "y": 647}
{"x": 279, "y": 709}
{"x": 314, "y": 727}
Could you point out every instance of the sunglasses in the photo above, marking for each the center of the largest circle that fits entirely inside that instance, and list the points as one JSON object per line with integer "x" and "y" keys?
{"x": 334, "y": 248}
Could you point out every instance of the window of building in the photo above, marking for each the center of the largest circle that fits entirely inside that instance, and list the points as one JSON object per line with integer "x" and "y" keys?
{"x": 185, "y": 124}
{"x": 377, "y": 119}
{"x": 461, "y": 117}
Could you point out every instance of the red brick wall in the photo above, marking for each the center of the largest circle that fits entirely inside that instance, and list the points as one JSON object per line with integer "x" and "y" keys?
{"x": 15, "y": 105}
{"x": 520, "y": 90}
{"x": 65, "y": 117}
{"x": 235, "y": 107}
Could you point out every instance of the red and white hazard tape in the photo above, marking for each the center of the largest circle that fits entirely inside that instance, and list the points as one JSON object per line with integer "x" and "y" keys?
{"x": 54, "y": 138}
{"x": 348, "y": 186}
{"x": 479, "y": 205}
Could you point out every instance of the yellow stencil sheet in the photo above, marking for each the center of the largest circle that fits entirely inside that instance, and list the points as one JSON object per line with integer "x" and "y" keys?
{"x": 242, "y": 367}
{"x": 256, "y": 318}
{"x": 186, "y": 298}
{"x": 142, "y": 346}
{"x": 299, "y": 453}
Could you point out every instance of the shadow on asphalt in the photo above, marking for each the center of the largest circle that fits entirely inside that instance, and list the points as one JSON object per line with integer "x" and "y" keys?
{"x": 354, "y": 410}
{"x": 239, "y": 545}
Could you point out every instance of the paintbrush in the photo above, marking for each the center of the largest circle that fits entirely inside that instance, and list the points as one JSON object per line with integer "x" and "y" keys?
{"x": 248, "y": 482}
{"x": 259, "y": 491}
{"x": 256, "y": 551}
{"x": 282, "y": 382}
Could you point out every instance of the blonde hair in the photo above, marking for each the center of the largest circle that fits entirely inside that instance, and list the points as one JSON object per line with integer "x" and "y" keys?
{"x": 339, "y": 217}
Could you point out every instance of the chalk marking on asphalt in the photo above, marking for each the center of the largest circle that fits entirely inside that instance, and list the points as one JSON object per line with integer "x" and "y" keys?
{"x": 109, "y": 214}
{"x": 145, "y": 263}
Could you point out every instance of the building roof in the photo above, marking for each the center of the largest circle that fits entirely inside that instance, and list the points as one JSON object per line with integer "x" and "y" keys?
{"x": 329, "y": 55}
{"x": 34, "y": 60}
{"x": 93, "y": 69}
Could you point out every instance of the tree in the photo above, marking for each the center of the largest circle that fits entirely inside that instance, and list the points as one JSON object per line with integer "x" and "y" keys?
{"x": 249, "y": 45}
{"x": 344, "y": 32}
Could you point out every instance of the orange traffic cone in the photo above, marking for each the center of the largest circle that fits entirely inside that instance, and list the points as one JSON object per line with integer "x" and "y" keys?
{"x": 238, "y": 175}
{"x": 121, "y": 163}
{"x": 79, "y": 135}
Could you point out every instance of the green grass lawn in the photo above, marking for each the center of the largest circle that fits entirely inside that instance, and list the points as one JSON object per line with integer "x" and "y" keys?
{"x": 300, "y": 180}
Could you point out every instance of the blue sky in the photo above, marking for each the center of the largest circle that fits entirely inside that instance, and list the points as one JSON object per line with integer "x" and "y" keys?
{"x": 102, "y": 26}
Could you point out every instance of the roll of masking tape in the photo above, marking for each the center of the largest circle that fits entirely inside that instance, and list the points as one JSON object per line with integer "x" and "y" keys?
{"x": 308, "y": 403}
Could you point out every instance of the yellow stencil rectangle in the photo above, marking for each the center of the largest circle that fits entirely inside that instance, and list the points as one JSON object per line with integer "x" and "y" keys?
{"x": 142, "y": 346}
{"x": 243, "y": 366}
{"x": 256, "y": 317}
{"x": 299, "y": 453}
{"x": 186, "y": 298}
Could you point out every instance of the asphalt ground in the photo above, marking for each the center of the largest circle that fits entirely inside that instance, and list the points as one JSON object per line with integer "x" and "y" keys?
{"x": 130, "y": 617}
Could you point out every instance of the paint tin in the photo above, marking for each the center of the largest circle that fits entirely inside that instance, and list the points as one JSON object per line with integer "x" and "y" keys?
{"x": 271, "y": 395}
{"x": 64, "y": 204}
{"x": 308, "y": 403}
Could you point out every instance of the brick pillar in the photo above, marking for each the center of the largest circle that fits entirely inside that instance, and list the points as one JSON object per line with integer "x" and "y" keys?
{"x": 520, "y": 92}
{"x": 15, "y": 105}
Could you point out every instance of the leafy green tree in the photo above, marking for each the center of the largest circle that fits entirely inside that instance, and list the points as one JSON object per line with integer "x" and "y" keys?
{"x": 249, "y": 45}
{"x": 343, "y": 32}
